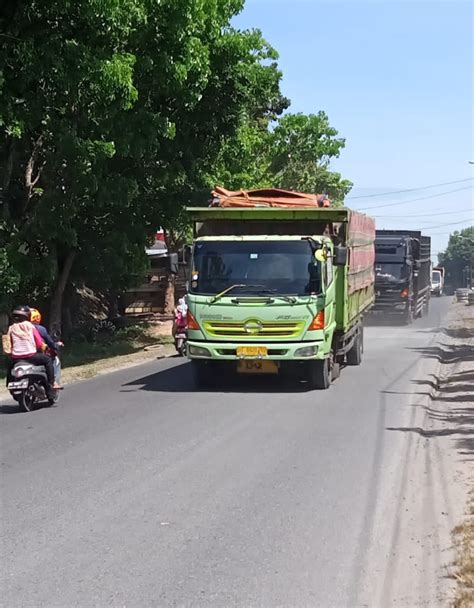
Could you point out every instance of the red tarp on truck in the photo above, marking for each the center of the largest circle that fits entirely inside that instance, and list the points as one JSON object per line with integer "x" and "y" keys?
{"x": 360, "y": 240}
{"x": 268, "y": 197}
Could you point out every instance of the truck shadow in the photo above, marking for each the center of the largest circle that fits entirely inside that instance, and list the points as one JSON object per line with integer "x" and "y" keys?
{"x": 376, "y": 321}
{"x": 179, "y": 379}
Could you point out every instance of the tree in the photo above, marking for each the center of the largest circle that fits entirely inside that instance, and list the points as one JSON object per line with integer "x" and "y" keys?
{"x": 302, "y": 147}
{"x": 293, "y": 152}
{"x": 458, "y": 258}
{"x": 111, "y": 114}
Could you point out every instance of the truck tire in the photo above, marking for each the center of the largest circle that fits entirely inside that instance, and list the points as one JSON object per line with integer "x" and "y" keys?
{"x": 354, "y": 355}
{"x": 318, "y": 375}
{"x": 202, "y": 374}
{"x": 408, "y": 317}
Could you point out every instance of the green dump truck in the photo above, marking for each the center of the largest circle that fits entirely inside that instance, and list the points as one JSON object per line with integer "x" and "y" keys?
{"x": 278, "y": 290}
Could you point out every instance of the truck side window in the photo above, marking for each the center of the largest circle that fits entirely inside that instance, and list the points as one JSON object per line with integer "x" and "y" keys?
{"x": 329, "y": 271}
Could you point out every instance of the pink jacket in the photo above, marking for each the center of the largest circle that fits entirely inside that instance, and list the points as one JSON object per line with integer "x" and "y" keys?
{"x": 25, "y": 340}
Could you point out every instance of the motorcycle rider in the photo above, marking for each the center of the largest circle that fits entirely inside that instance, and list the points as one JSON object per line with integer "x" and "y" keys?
{"x": 180, "y": 322}
{"x": 52, "y": 350}
{"x": 25, "y": 342}
{"x": 180, "y": 313}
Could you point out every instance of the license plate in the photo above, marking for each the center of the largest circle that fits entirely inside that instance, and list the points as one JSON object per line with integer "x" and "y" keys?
{"x": 257, "y": 367}
{"x": 252, "y": 351}
{"x": 17, "y": 385}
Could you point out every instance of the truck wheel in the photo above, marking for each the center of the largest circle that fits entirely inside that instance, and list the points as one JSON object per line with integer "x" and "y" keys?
{"x": 319, "y": 377}
{"x": 354, "y": 355}
{"x": 335, "y": 370}
{"x": 202, "y": 372}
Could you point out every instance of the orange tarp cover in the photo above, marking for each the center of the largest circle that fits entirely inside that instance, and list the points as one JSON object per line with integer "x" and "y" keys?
{"x": 268, "y": 197}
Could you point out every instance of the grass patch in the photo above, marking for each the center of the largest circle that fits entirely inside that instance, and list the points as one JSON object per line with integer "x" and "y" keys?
{"x": 125, "y": 341}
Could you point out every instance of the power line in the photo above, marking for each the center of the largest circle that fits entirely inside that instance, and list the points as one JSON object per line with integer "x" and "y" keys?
{"x": 450, "y": 224}
{"x": 470, "y": 210}
{"x": 428, "y": 225}
{"x": 413, "y": 200}
{"x": 459, "y": 181}
{"x": 447, "y": 233}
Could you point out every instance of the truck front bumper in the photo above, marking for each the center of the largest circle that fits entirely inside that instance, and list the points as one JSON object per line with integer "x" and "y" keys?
{"x": 283, "y": 351}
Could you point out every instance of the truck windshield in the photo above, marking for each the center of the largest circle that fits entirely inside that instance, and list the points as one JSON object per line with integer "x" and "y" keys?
{"x": 255, "y": 267}
{"x": 390, "y": 272}
{"x": 436, "y": 277}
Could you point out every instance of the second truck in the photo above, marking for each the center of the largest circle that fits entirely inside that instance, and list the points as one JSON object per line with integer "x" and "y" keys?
{"x": 279, "y": 284}
{"x": 402, "y": 274}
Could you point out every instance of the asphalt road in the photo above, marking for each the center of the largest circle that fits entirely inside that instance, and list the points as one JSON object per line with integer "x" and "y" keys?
{"x": 138, "y": 491}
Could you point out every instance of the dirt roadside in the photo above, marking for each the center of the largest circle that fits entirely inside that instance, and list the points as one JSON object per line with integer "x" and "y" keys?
{"x": 412, "y": 559}
{"x": 453, "y": 411}
{"x": 448, "y": 429}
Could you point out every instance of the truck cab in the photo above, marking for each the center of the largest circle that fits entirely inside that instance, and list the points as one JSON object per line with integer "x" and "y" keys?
{"x": 402, "y": 286}
{"x": 437, "y": 281}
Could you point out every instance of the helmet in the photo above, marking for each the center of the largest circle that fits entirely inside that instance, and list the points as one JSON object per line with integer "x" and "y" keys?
{"x": 21, "y": 313}
{"x": 35, "y": 316}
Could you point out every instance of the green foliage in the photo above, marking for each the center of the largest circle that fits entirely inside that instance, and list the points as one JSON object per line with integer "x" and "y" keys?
{"x": 459, "y": 256}
{"x": 302, "y": 148}
{"x": 293, "y": 153}
{"x": 116, "y": 114}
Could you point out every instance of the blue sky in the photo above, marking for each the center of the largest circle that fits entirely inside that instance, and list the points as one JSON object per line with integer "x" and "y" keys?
{"x": 396, "y": 79}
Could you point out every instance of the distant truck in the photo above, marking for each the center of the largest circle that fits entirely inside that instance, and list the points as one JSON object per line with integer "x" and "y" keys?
{"x": 279, "y": 284}
{"x": 402, "y": 274}
{"x": 437, "y": 281}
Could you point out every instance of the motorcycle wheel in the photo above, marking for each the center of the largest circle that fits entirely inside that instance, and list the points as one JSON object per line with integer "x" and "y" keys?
{"x": 27, "y": 401}
{"x": 181, "y": 347}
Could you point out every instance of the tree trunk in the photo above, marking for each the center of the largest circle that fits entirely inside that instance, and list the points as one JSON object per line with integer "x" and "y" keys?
{"x": 113, "y": 312}
{"x": 169, "y": 295}
{"x": 69, "y": 303}
{"x": 55, "y": 311}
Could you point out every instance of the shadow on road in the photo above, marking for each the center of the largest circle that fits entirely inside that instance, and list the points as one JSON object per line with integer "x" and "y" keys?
{"x": 14, "y": 408}
{"x": 451, "y": 395}
{"x": 447, "y": 353}
{"x": 380, "y": 321}
{"x": 179, "y": 379}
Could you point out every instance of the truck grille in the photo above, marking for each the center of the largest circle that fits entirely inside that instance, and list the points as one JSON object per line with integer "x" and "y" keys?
{"x": 254, "y": 329}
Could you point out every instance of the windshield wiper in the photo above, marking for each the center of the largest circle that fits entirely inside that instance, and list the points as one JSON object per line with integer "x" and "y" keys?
{"x": 289, "y": 299}
{"x": 218, "y": 296}
{"x": 262, "y": 290}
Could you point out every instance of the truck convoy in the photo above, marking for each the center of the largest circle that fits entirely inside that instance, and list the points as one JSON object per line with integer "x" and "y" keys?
{"x": 402, "y": 274}
{"x": 437, "y": 281}
{"x": 279, "y": 284}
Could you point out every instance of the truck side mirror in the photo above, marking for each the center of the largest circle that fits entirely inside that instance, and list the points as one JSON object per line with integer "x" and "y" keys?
{"x": 340, "y": 256}
{"x": 173, "y": 263}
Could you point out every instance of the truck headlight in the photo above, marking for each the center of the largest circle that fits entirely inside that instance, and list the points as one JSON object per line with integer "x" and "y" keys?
{"x": 198, "y": 351}
{"x": 306, "y": 351}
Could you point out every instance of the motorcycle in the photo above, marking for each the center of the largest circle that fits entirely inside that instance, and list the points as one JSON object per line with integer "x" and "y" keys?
{"x": 28, "y": 385}
{"x": 180, "y": 331}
